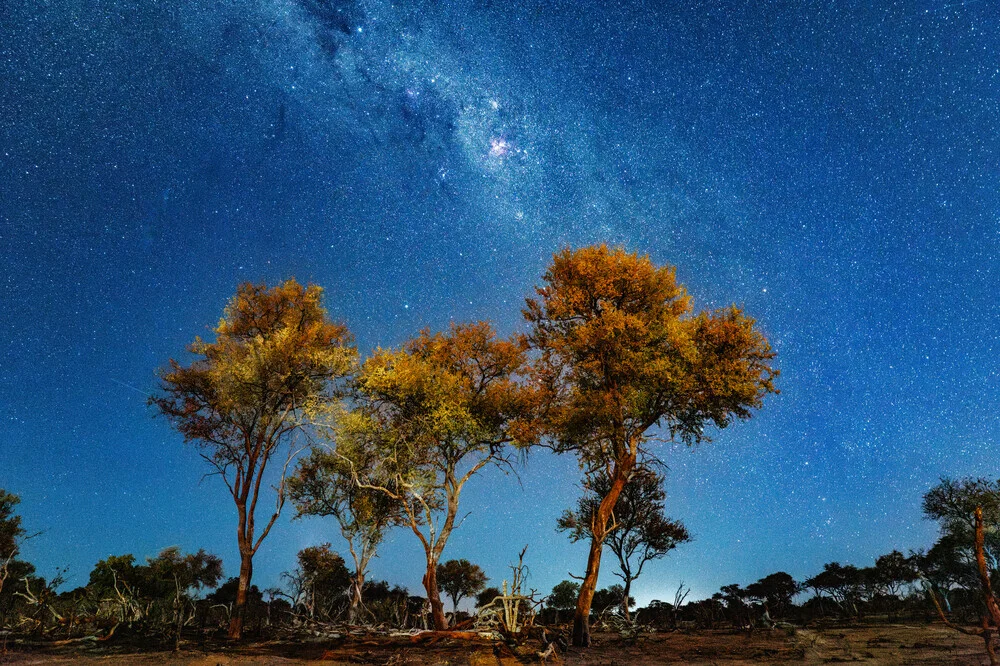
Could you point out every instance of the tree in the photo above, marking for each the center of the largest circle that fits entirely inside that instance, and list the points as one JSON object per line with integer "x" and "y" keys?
{"x": 12, "y": 534}
{"x": 610, "y": 597}
{"x": 321, "y": 581}
{"x": 775, "y": 591}
{"x": 184, "y": 575}
{"x": 460, "y": 579}
{"x": 428, "y": 417}
{"x": 893, "y": 571}
{"x": 562, "y": 598}
{"x": 12, "y": 537}
{"x": 642, "y": 532}
{"x": 487, "y": 596}
{"x": 842, "y": 583}
{"x": 618, "y": 353}
{"x": 323, "y": 485}
{"x": 963, "y": 509}
{"x": 276, "y": 355}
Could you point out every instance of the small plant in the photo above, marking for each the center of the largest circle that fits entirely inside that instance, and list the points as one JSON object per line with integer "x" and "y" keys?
{"x": 512, "y": 613}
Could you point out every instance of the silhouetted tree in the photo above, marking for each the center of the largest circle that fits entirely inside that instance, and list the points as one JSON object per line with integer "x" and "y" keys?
{"x": 425, "y": 419}
{"x": 275, "y": 356}
{"x": 843, "y": 584}
{"x": 639, "y": 532}
{"x": 487, "y": 596}
{"x": 460, "y": 579}
{"x": 563, "y": 597}
{"x": 775, "y": 591}
{"x": 610, "y": 597}
{"x": 617, "y": 354}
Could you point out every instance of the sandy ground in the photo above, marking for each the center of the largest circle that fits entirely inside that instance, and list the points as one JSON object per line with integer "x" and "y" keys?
{"x": 887, "y": 645}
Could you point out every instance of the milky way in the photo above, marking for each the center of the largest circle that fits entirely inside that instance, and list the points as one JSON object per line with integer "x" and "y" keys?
{"x": 833, "y": 168}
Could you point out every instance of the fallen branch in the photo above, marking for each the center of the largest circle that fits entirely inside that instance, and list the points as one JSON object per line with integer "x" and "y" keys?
{"x": 435, "y": 636}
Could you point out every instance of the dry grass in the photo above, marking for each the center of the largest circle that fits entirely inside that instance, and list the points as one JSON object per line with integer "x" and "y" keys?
{"x": 885, "y": 645}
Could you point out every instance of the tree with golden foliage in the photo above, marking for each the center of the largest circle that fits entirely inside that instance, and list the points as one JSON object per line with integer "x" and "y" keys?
{"x": 426, "y": 418}
{"x": 276, "y": 356}
{"x": 619, "y": 353}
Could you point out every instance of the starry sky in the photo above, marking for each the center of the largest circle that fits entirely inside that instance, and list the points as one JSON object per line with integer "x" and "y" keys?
{"x": 832, "y": 166}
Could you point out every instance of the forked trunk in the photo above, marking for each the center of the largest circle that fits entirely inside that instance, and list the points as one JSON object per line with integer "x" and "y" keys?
{"x": 434, "y": 597}
{"x": 354, "y": 612}
{"x": 239, "y": 608}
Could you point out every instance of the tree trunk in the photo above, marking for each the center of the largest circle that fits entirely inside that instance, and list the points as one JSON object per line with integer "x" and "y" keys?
{"x": 625, "y": 611}
{"x": 434, "y": 597}
{"x": 581, "y": 620}
{"x": 239, "y": 608}
{"x": 354, "y": 612}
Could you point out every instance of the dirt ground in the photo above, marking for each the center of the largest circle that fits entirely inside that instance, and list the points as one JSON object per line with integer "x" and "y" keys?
{"x": 884, "y": 645}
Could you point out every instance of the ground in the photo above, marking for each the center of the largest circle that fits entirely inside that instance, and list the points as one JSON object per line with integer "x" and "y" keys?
{"x": 885, "y": 645}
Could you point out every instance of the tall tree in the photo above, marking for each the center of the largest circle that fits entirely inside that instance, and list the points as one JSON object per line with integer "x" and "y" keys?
{"x": 460, "y": 579}
{"x": 641, "y": 531}
{"x": 963, "y": 509}
{"x": 618, "y": 354}
{"x": 276, "y": 354}
{"x": 323, "y": 485}
{"x": 428, "y": 417}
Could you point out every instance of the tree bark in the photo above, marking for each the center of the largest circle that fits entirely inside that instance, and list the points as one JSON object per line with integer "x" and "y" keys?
{"x": 239, "y": 608}
{"x": 599, "y": 530}
{"x": 434, "y": 596}
{"x": 354, "y": 612}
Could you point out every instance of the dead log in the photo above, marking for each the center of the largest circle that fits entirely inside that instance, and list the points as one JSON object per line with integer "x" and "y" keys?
{"x": 435, "y": 636}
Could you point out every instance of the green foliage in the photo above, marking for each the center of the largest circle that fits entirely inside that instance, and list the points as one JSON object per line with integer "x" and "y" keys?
{"x": 187, "y": 574}
{"x": 324, "y": 485}
{"x": 460, "y": 579}
{"x": 950, "y": 568}
{"x": 563, "y": 596}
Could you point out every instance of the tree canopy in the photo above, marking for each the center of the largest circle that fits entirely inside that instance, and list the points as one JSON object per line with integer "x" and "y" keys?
{"x": 460, "y": 579}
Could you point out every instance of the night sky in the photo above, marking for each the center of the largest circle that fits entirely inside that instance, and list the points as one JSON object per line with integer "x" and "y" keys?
{"x": 832, "y": 166}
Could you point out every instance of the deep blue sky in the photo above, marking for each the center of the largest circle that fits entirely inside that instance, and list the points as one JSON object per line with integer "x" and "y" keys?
{"x": 833, "y": 166}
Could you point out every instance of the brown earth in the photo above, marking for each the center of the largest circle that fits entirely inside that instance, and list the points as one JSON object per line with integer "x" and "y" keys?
{"x": 887, "y": 645}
